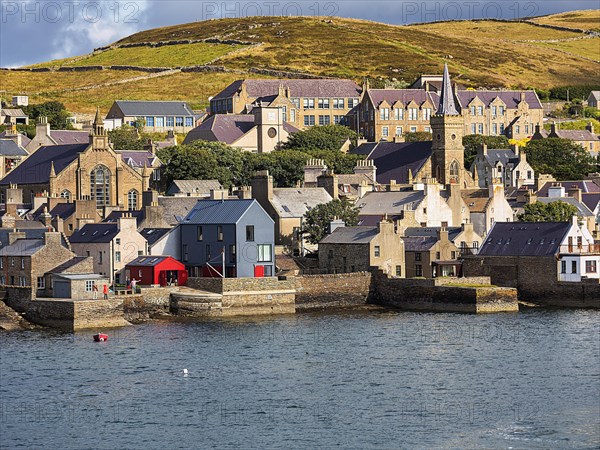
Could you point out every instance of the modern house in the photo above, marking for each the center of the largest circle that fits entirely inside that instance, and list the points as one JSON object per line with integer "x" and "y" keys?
{"x": 156, "y": 271}
{"x": 112, "y": 245}
{"x": 356, "y": 249}
{"x": 228, "y": 238}
{"x": 158, "y": 116}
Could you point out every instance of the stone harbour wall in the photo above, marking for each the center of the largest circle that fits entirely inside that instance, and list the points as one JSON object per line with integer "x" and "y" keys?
{"x": 332, "y": 291}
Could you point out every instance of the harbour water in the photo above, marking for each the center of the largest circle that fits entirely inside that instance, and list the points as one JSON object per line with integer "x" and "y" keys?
{"x": 360, "y": 379}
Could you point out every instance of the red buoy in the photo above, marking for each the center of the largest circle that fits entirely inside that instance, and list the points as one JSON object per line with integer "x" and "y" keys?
{"x": 100, "y": 337}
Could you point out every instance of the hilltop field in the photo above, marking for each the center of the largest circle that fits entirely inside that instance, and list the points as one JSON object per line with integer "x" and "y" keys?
{"x": 480, "y": 54}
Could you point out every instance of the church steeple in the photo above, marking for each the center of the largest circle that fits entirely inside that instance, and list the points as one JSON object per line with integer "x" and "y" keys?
{"x": 98, "y": 136}
{"x": 447, "y": 104}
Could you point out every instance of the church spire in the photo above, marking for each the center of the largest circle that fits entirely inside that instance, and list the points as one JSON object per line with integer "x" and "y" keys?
{"x": 447, "y": 103}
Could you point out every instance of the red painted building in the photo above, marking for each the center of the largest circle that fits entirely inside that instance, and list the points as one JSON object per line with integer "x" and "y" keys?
{"x": 158, "y": 270}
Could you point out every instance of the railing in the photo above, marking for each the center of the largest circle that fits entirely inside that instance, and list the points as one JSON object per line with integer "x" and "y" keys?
{"x": 583, "y": 249}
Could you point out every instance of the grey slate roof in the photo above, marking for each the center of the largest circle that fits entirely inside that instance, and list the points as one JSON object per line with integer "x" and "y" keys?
{"x": 364, "y": 149}
{"x": 176, "y": 208}
{"x": 524, "y": 239}
{"x": 93, "y": 233}
{"x": 63, "y": 137}
{"x": 13, "y": 112}
{"x": 8, "y": 147}
{"x": 392, "y": 203}
{"x": 36, "y": 168}
{"x": 419, "y": 243}
{"x": 138, "y": 158}
{"x": 351, "y": 235}
{"x": 404, "y": 96}
{"x": 68, "y": 264}
{"x": 114, "y": 216}
{"x": 193, "y": 187}
{"x": 298, "y": 88}
{"x": 504, "y": 156}
{"x": 510, "y": 98}
{"x": 81, "y": 276}
{"x": 295, "y": 202}
{"x": 153, "y": 235}
{"x": 591, "y": 200}
{"x": 586, "y": 186}
{"x": 218, "y": 211}
{"x": 22, "y": 247}
{"x": 30, "y": 233}
{"x": 447, "y": 103}
{"x": 432, "y": 232}
{"x": 577, "y": 135}
{"x": 6, "y": 134}
{"x": 135, "y": 108}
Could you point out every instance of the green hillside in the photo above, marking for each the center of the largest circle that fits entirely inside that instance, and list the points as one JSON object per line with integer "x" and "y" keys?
{"x": 479, "y": 53}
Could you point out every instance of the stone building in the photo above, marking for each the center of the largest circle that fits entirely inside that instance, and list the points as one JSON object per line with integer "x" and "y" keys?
{"x": 45, "y": 136}
{"x": 593, "y": 99}
{"x": 303, "y": 102}
{"x": 159, "y": 116}
{"x": 91, "y": 170}
{"x": 487, "y": 206}
{"x": 358, "y": 249}
{"x": 509, "y": 165}
{"x": 464, "y": 237}
{"x": 261, "y": 131}
{"x": 349, "y": 186}
{"x": 587, "y": 139}
{"x": 112, "y": 245}
{"x": 24, "y": 262}
{"x": 431, "y": 256}
{"x": 11, "y": 155}
{"x": 287, "y": 206}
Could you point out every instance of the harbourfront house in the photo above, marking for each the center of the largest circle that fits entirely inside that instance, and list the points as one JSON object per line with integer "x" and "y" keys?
{"x": 509, "y": 165}
{"x": 112, "y": 245}
{"x": 303, "y": 102}
{"x": 357, "y": 249}
{"x": 261, "y": 131}
{"x": 158, "y": 116}
{"x": 228, "y": 238}
{"x": 528, "y": 254}
{"x": 431, "y": 256}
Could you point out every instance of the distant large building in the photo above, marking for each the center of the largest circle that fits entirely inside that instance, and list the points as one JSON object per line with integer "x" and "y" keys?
{"x": 303, "y": 102}
{"x": 158, "y": 116}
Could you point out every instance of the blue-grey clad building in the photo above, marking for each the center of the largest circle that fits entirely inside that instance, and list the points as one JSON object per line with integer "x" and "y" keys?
{"x": 238, "y": 232}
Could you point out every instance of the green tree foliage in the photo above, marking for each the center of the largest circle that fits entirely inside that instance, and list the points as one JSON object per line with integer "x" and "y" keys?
{"x": 561, "y": 158}
{"x": 418, "y": 136}
{"x": 55, "y": 111}
{"x": 560, "y": 93}
{"x": 126, "y": 138}
{"x": 327, "y": 137}
{"x": 29, "y": 130}
{"x": 472, "y": 142}
{"x": 317, "y": 220}
{"x": 189, "y": 162}
{"x": 548, "y": 212}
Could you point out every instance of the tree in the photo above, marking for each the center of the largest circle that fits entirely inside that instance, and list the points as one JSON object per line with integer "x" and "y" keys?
{"x": 561, "y": 158}
{"x": 55, "y": 111}
{"x": 317, "y": 220}
{"x": 126, "y": 138}
{"x": 557, "y": 211}
{"x": 187, "y": 162}
{"x": 326, "y": 137}
{"x": 472, "y": 142}
{"x": 418, "y": 136}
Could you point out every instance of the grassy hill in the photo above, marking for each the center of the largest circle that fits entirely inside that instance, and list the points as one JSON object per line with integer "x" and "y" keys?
{"x": 479, "y": 53}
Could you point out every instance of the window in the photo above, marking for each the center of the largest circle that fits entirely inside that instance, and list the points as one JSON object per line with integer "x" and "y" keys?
{"x": 118, "y": 241}
{"x": 338, "y": 119}
{"x": 189, "y": 121}
{"x": 199, "y": 232}
{"x": 156, "y": 174}
{"x": 377, "y": 251}
{"x": 563, "y": 267}
{"x": 517, "y": 129}
{"x": 445, "y": 224}
{"x": 452, "y": 255}
{"x": 418, "y": 270}
{"x": 494, "y": 128}
{"x": 293, "y": 115}
{"x": 352, "y": 102}
{"x": 438, "y": 255}
{"x": 89, "y": 285}
{"x": 140, "y": 253}
{"x": 573, "y": 266}
{"x": 398, "y": 113}
{"x": 264, "y": 253}
{"x": 398, "y": 131}
{"x": 117, "y": 256}
{"x": 12, "y": 280}
{"x": 338, "y": 103}
{"x": 330, "y": 254}
{"x": 22, "y": 281}
{"x": 384, "y": 114}
{"x": 160, "y": 121}
{"x": 480, "y": 128}
{"x": 284, "y": 113}
{"x": 473, "y": 128}
{"x": 494, "y": 111}
{"x": 12, "y": 261}
{"x": 170, "y": 121}
{"x": 185, "y": 252}
{"x": 99, "y": 257}
{"x": 2, "y": 280}
{"x": 426, "y": 113}
{"x": 501, "y": 109}
{"x": 149, "y": 121}
{"x": 501, "y": 128}
{"x": 413, "y": 113}
{"x": 100, "y": 186}
{"x": 324, "y": 120}
{"x": 417, "y": 256}
{"x": 480, "y": 110}
{"x": 413, "y": 129}
{"x": 398, "y": 271}
{"x": 232, "y": 257}
{"x": 66, "y": 194}
{"x": 323, "y": 103}
{"x": 472, "y": 110}
{"x": 526, "y": 128}
{"x": 250, "y": 233}
{"x": 590, "y": 267}
{"x": 132, "y": 200}
{"x": 1, "y": 263}
{"x": 41, "y": 283}
{"x": 308, "y": 103}
{"x": 529, "y": 174}
{"x": 22, "y": 263}
{"x": 178, "y": 121}
{"x": 309, "y": 121}
{"x": 385, "y": 131}
{"x": 296, "y": 102}
{"x": 219, "y": 233}
{"x": 268, "y": 271}
{"x": 454, "y": 171}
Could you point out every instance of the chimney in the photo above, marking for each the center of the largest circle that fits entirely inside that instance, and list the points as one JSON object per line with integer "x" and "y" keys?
{"x": 127, "y": 222}
{"x": 329, "y": 182}
{"x": 149, "y": 198}
{"x": 407, "y": 220}
{"x": 575, "y": 192}
{"x": 538, "y": 129}
{"x": 262, "y": 186}
{"x": 542, "y": 179}
{"x": 312, "y": 170}
{"x": 244, "y": 192}
{"x": 83, "y": 219}
{"x": 14, "y": 235}
{"x": 522, "y": 96}
{"x": 363, "y": 188}
{"x": 432, "y": 187}
{"x": 590, "y": 127}
{"x": 52, "y": 238}
{"x": 46, "y": 218}
{"x": 42, "y": 127}
{"x": 219, "y": 194}
{"x": 58, "y": 224}
{"x": 556, "y": 191}
{"x": 515, "y": 149}
{"x": 484, "y": 149}
{"x": 335, "y": 224}
{"x": 496, "y": 187}
{"x": 393, "y": 186}
{"x": 443, "y": 234}
{"x": 467, "y": 227}
{"x": 366, "y": 167}
{"x": 531, "y": 198}
{"x": 553, "y": 129}
{"x": 386, "y": 226}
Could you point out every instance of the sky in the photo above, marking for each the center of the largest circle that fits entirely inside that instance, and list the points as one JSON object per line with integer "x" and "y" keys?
{"x": 35, "y": 31}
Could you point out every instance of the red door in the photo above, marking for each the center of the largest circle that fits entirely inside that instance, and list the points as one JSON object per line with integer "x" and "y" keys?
{"x": 259, "y": 271}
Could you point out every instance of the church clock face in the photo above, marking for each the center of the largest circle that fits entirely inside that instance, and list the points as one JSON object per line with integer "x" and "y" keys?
{"x": 271, "y": 132}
